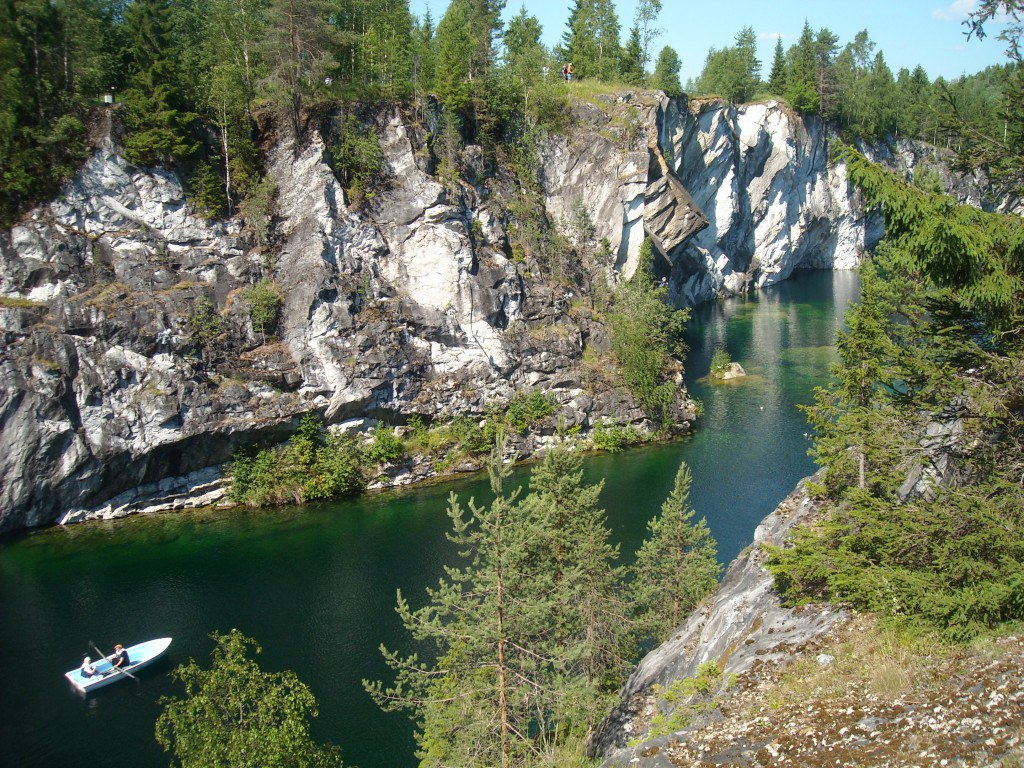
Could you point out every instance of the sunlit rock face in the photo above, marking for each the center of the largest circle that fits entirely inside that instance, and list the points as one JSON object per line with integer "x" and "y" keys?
{"x": 773, "y": 200}
{"x": 409, "y": 303}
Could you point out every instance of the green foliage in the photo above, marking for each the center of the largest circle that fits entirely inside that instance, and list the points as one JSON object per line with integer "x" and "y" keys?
{"x": 207, "y": 190}
{"x": 524, "y": 636}
{"x": 934, "y": 346}
{"x": 676, "y": 565}
{"x": 720, "y": 362}
{"x": 264, "y": 300}
{"x": 385, "y": 448}
{"x": 733, "y": 73}
{"x": 528, "y": 408}
{"x": 156, "y": 117}
{"x": 258, "y": 209}
{"x": 205, "y": 324}
{"x": 591, "y": 40}
{"x": 614, "y": 437}
{"x": 235, "y": 714}
{"x": 687, "y": 698}
{"x": 308, "y": 467}
{"x": 646, "y": 333}
{"x": 54, "y": 62}
{"x": 631, "y": 67}
{"x": 359, "y": 161}
{"x": 666, "y": 72}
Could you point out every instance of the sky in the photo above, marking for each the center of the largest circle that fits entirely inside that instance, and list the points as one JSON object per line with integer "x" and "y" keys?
{"x": 908, "y": 32}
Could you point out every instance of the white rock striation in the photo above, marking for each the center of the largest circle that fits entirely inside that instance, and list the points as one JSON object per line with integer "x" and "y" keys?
{"x": 774, "y": 201}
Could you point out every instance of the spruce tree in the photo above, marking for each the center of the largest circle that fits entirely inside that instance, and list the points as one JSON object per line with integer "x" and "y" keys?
{"x": 155, "y": 114}
{"x": 524, "y": 53}
{"x": 591, "y": 40}
{"x": 777, "y": 78}
{"x": 631, "y": 67}
{"x": 676, "y": 565}
{"x": 801, "y": 73}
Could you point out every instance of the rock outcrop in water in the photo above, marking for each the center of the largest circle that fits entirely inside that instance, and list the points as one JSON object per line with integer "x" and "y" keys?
{"x": 414, "y": 303}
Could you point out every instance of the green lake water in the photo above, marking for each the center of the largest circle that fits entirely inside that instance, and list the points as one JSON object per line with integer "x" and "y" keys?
{"x": 316, "y": 585}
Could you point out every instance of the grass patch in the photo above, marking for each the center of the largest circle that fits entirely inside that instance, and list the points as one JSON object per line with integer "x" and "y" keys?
{"x": 14, "y": 302}
{"x": 885, "y": 662}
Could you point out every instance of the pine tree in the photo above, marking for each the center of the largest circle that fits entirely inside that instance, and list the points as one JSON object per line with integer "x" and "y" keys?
{"x": 589, "y": 616}
{"x": 777, "y": 78}
{"x": 483, "y": 696}
{"x": 676, "y": 565}
{"x": 298, "y": 48}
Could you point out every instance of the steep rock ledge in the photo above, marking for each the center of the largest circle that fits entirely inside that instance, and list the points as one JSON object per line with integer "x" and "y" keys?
{"x": 411, "y": 304}
{"x": 742, "y": 626}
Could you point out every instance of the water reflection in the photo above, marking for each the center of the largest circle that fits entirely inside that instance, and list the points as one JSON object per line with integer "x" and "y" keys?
{"x": 316, "y": 586}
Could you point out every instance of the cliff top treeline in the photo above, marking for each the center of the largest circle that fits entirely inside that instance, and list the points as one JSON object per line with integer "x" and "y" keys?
{"x": 198, "y": 80}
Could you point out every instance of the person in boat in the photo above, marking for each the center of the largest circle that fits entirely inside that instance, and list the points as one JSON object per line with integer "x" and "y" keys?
{"x": 88, "y": 668}
{"x": 119, "y": 660}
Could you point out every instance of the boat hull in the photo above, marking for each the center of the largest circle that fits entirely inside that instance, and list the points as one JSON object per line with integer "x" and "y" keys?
{"x": 139, "y": 656}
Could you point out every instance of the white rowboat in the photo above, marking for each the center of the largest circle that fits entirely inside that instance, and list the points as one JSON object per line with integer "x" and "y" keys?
{"x": 138, "y": 657}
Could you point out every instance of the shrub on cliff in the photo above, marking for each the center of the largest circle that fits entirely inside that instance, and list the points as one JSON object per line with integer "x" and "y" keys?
{"x": 646, "y": 334}
{"x": 264, "y": 300}
{"x": 922, "y": 430}
{"x": 310, "y": 466}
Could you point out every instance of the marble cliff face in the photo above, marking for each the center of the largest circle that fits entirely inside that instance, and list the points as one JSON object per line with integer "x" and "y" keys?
{"x": 412, "y": 303}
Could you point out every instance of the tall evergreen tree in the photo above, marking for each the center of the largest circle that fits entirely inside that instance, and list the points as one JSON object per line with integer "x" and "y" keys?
{"x": 801, "y": 73}
{"x": 590, "y": 619}
{"x": 298, "y": 49}
{"x": 155, "y": 110}
{"x": 733, "y": 73}
{"x": 591, "y": 40}
{"x": 777, "y": 77}
{"x": 482, "y": 697}
{"x": 676, "y": 565}
{"x": 631, "y": 67}
{"x": 524, "y": 53}
{"x": 423, "y": 55}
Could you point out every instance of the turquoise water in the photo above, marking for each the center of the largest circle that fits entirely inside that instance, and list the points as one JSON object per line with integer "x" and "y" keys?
{"x": 316, "y": 585}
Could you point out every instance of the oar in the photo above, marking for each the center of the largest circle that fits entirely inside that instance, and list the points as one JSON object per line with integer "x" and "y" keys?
{"x": 116, "y": 669}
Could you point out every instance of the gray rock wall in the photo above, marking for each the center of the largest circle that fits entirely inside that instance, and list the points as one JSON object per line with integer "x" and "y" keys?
{"x": 410, "y": 304}
{"x": 774, "y": 201}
